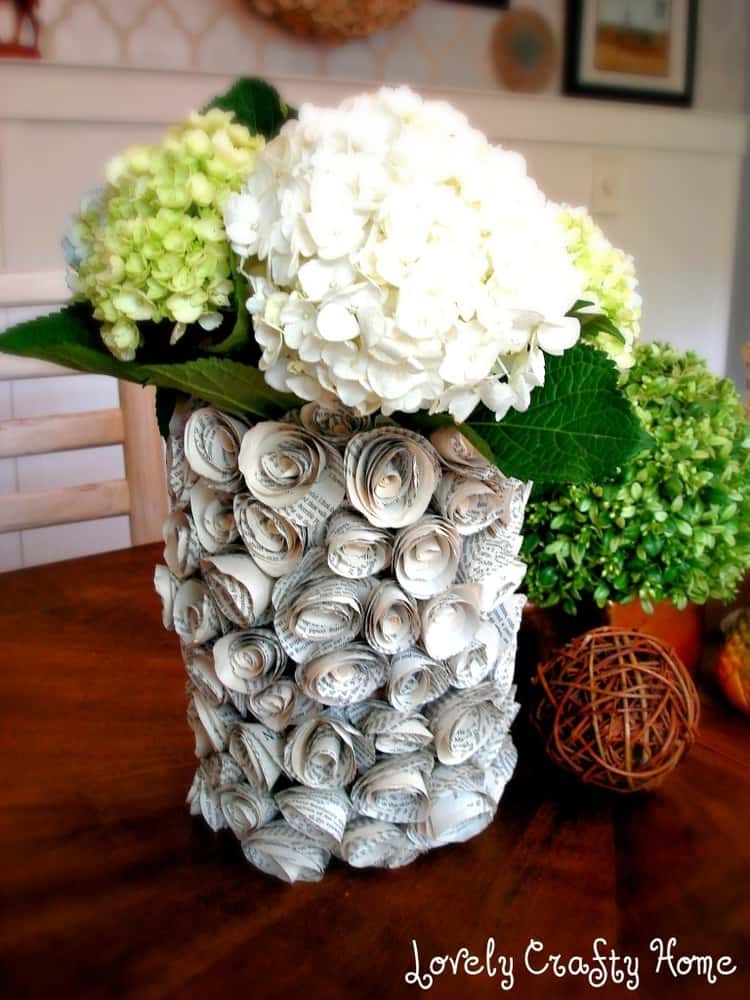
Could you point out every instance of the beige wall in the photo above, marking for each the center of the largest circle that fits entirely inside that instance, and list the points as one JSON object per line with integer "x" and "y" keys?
{"x": 439, "y": 44}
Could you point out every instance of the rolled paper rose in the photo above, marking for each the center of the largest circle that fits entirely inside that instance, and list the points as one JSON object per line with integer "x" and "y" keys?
{"x": 392, "y": 731}
{"x": 509, "y": 540}
{"x": 280, "y": 704}
{"x": 248, "y": 659}
{"x": 292, "y": 471}
{"x": 182, "y": 550}
{"x": 460, "y": 807}
{"x": 326, "y": 751}
{"x": 203, "y": 743}
{"x": 459, "y": 455}
{"x": 246, "y": 809}
{"x": 166, "y": 586}
{"x": 425, "y": 556}
{"x": 373, "y": 843}
{"x": 395, "y": 789}
{"x": 450, "y": 620}
{"x": 212, "y": 446}
{"x": 199, "y": 664}
{"x": 318, "y": 813}
{"x": 355, "y": 548}
{"x": 259, "y": 752}
{"x": 487, "y": 563}
{"x": 220, "y": 771}
{"x": 391, "y": 474}
{"x": 215, "y": 772}
{"x": 180, "y": 477}
{"x": 498, "y": 769}
{"x": 213, "y": 517}
{"x": 274, "y": 542}
{"x": 391, "y": 622}
{"x": 203, "y": 802}
{"x": 312, "y": 568}
{"x": 217, "y": 721}
{"x": 470, "y": 504}
{"x": 321, "y": 617}
{"x": 415, "y": 679}
{"x": 507, "y": 619}
{"x": 465, "y": 722}
{"x": 280, "y": 850}
{"x": 475, "y": 663}
{"x": 514, "y": 494}
{"x": 345, "y": 676}
{"x": 334, "y": 424}
{"x": 196, "y": 616}
{"x": 241, "y": 590}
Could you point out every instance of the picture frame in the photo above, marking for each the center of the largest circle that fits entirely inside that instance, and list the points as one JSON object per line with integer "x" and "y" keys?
{"x": 631, "y": 50}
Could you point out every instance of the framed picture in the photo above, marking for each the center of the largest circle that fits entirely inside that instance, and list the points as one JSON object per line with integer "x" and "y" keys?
{"x": 631, "y": 50}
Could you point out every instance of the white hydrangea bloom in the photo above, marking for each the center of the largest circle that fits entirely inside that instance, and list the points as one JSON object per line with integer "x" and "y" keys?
{"x": 398, "y": 261}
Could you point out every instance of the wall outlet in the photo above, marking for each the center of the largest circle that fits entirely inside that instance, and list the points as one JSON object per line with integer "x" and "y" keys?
{"x": 607, "y": 185}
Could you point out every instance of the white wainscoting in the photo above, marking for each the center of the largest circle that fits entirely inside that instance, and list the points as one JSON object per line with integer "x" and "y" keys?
{"x": 59, "y": 125}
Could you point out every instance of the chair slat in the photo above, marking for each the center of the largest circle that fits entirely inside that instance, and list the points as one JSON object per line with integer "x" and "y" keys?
{"x": 63, "y": 432}
{"x": 33, "y": 288}
{"x": 144, "y": 463}
{"x": 13, "y": 367}
{"x": 19, "y": 511}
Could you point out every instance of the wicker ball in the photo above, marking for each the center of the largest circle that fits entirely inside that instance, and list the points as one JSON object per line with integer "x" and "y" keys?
{"x": 617, "y": 708}
{"x": 334, "y": 20}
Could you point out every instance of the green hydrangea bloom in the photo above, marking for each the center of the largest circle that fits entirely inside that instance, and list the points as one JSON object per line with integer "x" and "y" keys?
{"x": 609, "y": 281}
{"x": 153, "y": 247}
{"x": 676, "y": 522}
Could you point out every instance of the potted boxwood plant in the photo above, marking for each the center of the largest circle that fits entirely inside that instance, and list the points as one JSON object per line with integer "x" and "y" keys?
{"x": 673, "y": 528}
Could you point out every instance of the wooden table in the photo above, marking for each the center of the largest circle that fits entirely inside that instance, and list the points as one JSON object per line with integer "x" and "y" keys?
{"x": 110, "y": 889}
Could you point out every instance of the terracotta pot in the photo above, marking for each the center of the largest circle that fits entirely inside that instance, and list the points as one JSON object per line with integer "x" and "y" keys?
{"x": 681, "y": 629}
{"x": 545, "y": 630}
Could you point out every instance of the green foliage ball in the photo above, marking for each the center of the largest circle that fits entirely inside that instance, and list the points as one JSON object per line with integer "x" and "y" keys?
{"x": 675, "y": 523}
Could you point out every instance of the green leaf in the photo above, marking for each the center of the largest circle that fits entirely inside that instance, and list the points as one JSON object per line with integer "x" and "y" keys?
{"x": 68, "y": 338}
{"x": 256, "y": 104}
{"x": 240, "y": 334}
{"x": 593, "y": 323}
{"x": 591, "y": 328}
{"x": 227, "y": 384}
{"x": 578, "y": 428}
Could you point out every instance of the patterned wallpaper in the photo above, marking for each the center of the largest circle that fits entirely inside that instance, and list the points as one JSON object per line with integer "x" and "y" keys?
{"x": 440, "y": 44}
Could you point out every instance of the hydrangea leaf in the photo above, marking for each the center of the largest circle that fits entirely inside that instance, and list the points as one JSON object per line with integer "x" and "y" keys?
{"x": 593, "y": 324}
{"x": 228, "y": 384}
{"x": 256, "y": 104}
{"x": 578, "y": 428}
{"x": 70, "y": 339}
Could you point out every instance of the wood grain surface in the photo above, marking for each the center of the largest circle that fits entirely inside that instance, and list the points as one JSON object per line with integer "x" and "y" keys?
{"x": 108, "y": 888}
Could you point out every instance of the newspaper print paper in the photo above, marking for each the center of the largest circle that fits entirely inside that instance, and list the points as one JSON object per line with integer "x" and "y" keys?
{"x": 346, "y": 596}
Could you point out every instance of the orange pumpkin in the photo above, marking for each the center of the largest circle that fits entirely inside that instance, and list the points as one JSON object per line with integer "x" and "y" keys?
{"x": 733, "y": 663}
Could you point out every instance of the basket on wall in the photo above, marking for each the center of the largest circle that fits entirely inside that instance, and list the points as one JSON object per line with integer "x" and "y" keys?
{"x": 334, "y": 20}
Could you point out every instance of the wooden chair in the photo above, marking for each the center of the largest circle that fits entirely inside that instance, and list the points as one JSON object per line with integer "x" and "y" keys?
{"x": 141, "y": 495}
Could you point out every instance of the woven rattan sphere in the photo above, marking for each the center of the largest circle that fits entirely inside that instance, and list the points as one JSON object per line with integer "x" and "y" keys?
{"x": 334, "y": 20}
{"x": 616, "y": 708}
